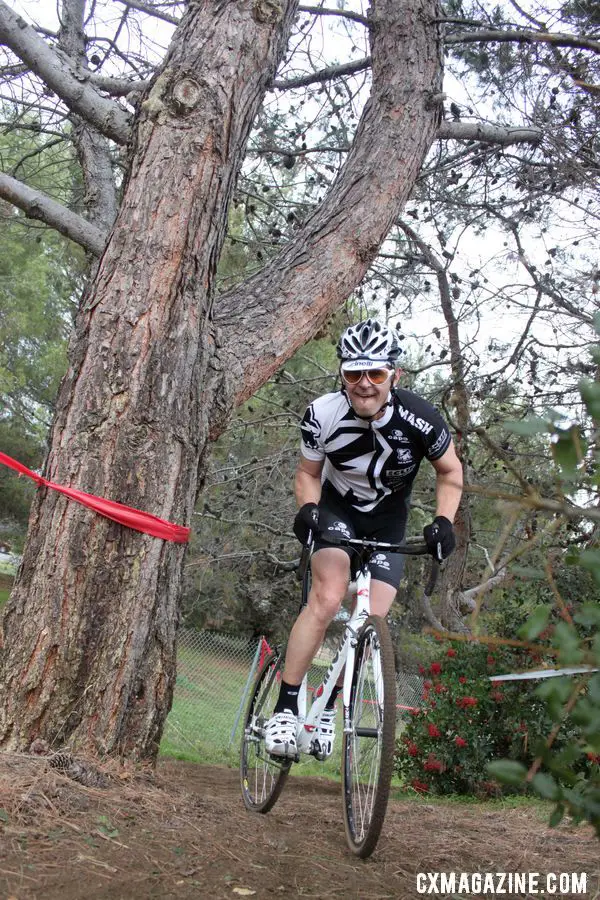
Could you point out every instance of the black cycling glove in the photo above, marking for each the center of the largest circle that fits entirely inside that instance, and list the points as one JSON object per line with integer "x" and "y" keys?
{"x": 439, "y": 537}
{"x": 307, "y": 519}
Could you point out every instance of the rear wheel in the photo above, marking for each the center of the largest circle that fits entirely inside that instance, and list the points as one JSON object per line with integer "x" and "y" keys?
{"x": 262, "y": 777}
{"x": 368, "y": 750}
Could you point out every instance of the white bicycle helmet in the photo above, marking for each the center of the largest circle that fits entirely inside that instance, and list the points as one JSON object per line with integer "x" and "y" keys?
{"x": 369, "y": 343}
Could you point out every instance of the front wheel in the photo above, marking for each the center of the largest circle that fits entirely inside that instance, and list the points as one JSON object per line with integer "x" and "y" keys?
{"x": 368, "y": 749}
{"x": 262, "y": 776}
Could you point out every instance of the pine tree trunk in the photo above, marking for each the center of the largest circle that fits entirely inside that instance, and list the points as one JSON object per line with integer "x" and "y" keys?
{"x": 89, "y": 633}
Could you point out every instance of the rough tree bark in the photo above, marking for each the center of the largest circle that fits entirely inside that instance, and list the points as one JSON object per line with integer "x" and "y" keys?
{"x": 157, "y": 362}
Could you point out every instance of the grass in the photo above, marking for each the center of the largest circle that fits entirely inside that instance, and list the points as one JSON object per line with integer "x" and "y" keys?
{"x": 206, "y": 704}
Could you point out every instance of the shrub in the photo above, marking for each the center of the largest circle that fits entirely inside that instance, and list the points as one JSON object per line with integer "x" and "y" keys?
{"x": 466, "y": 721}
{"x": 567, "y": 767}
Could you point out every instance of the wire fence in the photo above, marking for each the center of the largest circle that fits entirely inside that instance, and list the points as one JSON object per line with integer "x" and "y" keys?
{"x": 215, "y": 673}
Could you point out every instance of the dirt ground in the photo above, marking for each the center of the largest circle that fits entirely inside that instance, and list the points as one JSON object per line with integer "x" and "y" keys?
{"x": 183, "y": 832}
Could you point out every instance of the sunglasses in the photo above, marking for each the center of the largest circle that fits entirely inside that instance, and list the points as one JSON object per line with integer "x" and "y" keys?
{"x": 375, "y": 376}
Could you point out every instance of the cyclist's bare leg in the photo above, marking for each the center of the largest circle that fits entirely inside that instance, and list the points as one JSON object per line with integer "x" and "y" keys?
{"x": 330, "y": 577}
{"x": 381, "y": 598}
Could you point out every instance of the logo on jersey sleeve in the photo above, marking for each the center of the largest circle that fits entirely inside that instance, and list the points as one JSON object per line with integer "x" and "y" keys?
{"x": 439, "y": 443}
{"x": 310, "y": 429}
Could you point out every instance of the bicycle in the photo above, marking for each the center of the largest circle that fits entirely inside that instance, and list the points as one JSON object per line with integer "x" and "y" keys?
{"x": 369, "y": 704}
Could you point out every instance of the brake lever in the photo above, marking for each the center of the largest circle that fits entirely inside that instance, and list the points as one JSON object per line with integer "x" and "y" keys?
{"x": 305, "y": 557}
{"x": 434, "y": 571}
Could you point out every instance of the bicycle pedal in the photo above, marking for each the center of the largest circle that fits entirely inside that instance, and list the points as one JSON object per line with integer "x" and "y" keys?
{"x": 315, "y": 750}
{"x": 283, "y": 761}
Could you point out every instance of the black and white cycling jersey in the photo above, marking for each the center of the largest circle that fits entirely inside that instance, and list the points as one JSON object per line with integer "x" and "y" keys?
{"x": 368, "y": 461}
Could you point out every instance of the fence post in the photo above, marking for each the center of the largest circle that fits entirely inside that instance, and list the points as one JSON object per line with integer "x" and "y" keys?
{"x": 246, "y": 690}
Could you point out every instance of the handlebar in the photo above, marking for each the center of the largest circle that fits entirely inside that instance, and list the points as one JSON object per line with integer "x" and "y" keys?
{"x": 412, "y": 547}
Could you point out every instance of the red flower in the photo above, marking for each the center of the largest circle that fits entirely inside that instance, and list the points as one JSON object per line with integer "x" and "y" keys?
{"x": 421, "y": 786}
{"x": 460, "y": 742}
{"x": 427, "y": 685}
{"x": 440, "y": 688}
{"x": 464, "y": 702}
{"x": 422, "y": 670}
{"x": 433, "y": 764}
{"x": 462, "y": 679}
{"x": 413, "y": 750}
{"x": 497, "y": 695}
{"x": 491, "y": 660}
{"x": 435, "y": 668}
{"x": 594, "y": 757}
{"x": 451, "y": 652}
{"x": 433, "y": 731}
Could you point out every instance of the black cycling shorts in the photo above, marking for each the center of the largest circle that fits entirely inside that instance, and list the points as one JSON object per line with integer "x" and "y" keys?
{"x": 340, "y": 518}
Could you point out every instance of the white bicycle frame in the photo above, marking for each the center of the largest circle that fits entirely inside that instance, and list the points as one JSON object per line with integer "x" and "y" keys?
{"x": 345, "y": 654}
{"x": 344, "y": 657}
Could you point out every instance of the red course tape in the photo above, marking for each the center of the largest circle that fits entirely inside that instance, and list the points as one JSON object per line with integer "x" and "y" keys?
{"x": 118, "y": 512}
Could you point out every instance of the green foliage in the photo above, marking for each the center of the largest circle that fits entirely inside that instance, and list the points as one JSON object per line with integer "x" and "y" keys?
{"x": 467, "y": 721}
{"x": 566, "y": 768}
{"x": 570, "y": 756}
{"x": 16, "y": 493}
{"x": 41, "y": 274}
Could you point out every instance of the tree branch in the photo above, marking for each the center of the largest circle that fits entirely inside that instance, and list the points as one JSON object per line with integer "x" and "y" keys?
{"x": 541, "y": 285}
{"x": 344, "y": 13}
{"x": 535, "y": 501}
{"x": 118, "y": 87}
{"x": 486, "y": 34}
{"x": 331, "y": 72}
{"x": 60, "y": 74}
{"x": 93, "y": 148}
{"x": 429, "y": 615}
{"x": 469, "y": 595}
{"x": 330, "y": 254}
{"x": 488, "y": 134}
{"x": 523, "y": 37}
{"x": 37, "y": 205}
{"x": 150, "y": 11}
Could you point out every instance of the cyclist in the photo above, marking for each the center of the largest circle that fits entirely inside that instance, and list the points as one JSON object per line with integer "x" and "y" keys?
{"x": 361, "y": 450}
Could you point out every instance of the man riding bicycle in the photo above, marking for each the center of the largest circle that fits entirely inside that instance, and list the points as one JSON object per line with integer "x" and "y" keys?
{"x": 361, "y": 449}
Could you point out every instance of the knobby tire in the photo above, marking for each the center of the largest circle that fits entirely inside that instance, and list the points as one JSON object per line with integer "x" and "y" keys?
{"x": 368, "y": 751}
{"x": 262, "y": 778}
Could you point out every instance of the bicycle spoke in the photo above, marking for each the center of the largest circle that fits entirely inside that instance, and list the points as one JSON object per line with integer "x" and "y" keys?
{"x": 368, "y": 749}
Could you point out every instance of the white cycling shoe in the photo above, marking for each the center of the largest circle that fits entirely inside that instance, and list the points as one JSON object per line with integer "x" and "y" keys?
{"x": 280, "y": 734}
{"x": 324, "y": 734}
